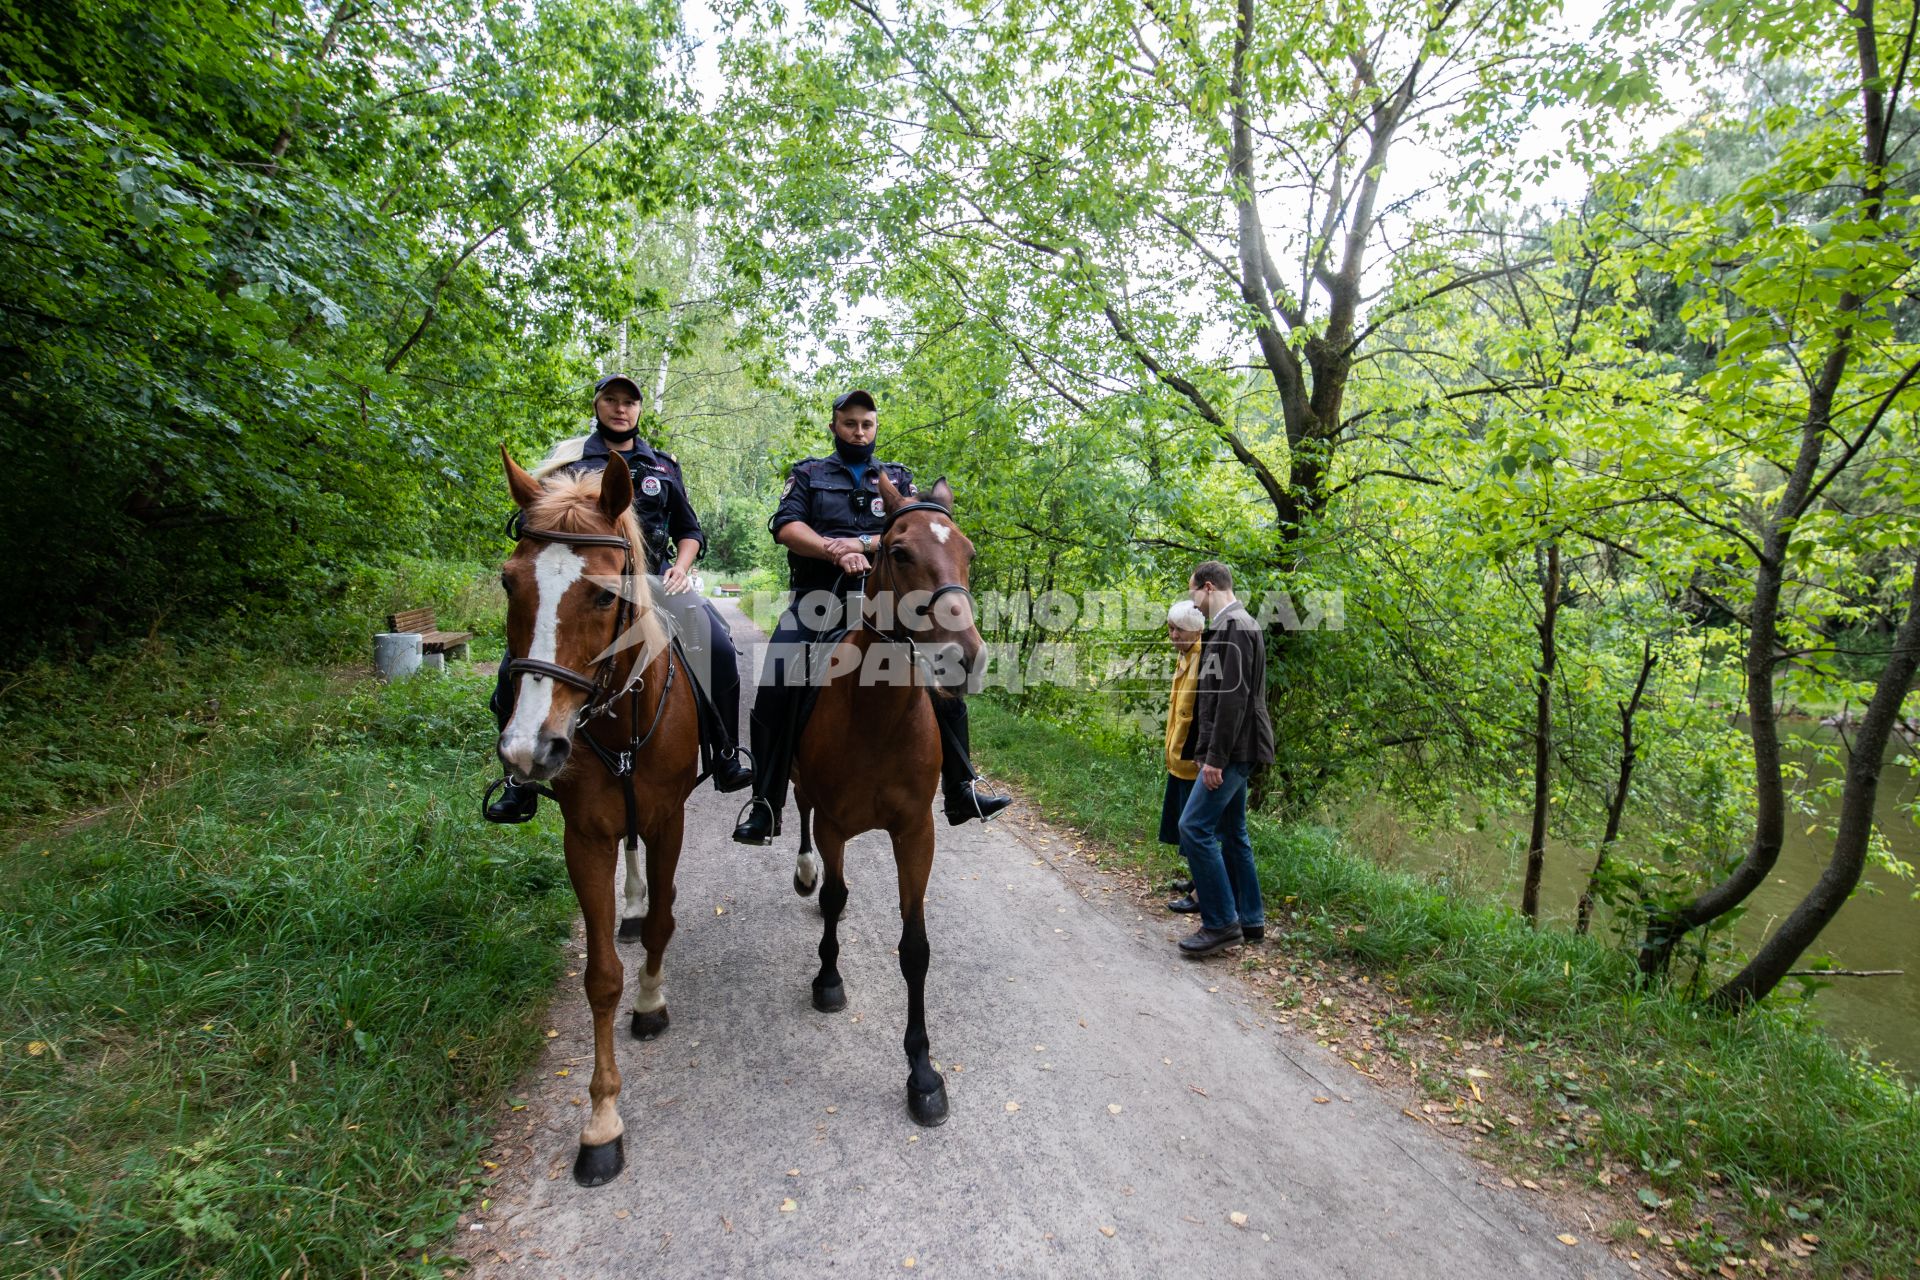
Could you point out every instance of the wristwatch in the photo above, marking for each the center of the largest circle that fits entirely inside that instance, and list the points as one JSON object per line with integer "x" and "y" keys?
{"x": 866, "y": 543}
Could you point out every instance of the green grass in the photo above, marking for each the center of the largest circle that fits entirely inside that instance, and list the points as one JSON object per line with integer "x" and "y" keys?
{"x": 1760, "y": 1114}
{"x": 260, "y": 1015}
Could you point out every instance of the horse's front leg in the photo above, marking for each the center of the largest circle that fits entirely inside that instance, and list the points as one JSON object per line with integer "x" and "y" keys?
{"x": 913, "y": 858}
{"x": 829, "y": 993}
{"x": 590, "y": 863}
{"x": 656, "y": 928}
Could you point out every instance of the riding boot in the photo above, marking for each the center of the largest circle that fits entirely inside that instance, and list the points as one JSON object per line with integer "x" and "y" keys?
{"x": 962, "y": 801}
{"x": 771, "y": 732}
{"x": 730, "y": 772}
{"x": 518, "y": 801}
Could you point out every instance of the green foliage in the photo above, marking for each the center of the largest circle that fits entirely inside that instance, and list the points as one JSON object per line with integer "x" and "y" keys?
{"x": 275, "y": 282}
{"x": 258, "y": 1020}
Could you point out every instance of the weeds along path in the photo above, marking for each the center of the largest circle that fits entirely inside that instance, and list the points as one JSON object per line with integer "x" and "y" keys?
{"x": 1116, "y": 1109}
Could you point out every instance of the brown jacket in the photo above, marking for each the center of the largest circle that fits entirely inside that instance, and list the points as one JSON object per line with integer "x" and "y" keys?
{"x": 1230, "y": 724}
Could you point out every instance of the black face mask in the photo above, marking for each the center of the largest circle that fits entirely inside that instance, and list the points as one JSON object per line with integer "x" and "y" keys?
{"x": 615, "y": 437}
{"x": 853, "y": 454}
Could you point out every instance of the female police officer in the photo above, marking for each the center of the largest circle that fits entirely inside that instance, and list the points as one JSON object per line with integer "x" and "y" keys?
{"x": 674, "y": 541}
{"x": 829, "y": 520}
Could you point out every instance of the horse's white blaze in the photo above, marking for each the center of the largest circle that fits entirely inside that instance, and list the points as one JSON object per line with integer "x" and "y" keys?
{"x": 652, "y": 996}
{"x": 807, "y": 867}
{"x": 941, "y": 533}
{"x": 554, "y": 570}
{"x": 636, "y": 888}
{"x": 603, "y": 1123}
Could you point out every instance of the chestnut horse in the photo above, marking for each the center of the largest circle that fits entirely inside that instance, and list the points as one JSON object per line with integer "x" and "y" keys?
{"x": 595, "y": 667}
{"x": 869, "y": 757}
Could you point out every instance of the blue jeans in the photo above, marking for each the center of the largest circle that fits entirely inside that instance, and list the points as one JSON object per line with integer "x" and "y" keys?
{"x": 1213, "y": 839}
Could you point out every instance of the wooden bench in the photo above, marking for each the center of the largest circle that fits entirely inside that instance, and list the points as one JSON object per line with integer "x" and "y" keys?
{"x": 432, "y": 639}
{"x": 729, "y": 588}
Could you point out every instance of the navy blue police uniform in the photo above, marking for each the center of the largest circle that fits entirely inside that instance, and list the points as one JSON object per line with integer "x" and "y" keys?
{"x": 836, "y": 500}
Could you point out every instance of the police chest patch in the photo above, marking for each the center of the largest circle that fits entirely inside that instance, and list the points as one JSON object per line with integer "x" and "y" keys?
{"x": 651, "y": 486}
{"x": 879, "y": 507}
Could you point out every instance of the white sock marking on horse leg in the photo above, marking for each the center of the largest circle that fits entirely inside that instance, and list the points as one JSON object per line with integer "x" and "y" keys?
{"x": 651, "y": 995}
{"x": 636, "y": 887}
{"x": 806, "y": 868}
{"x": 603, "y": 1123}
{"x": 554, "y": 570}
{"x": 940, "y": 532}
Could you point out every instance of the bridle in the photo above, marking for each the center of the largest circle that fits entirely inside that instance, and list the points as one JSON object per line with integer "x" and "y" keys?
{"x": 945, "y": 589}
{"x": 599, "y": 689}
{"x": 602, "y": 695}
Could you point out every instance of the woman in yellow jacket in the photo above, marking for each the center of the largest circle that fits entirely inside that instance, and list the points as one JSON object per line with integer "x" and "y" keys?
{"x": 1186, "y": 627}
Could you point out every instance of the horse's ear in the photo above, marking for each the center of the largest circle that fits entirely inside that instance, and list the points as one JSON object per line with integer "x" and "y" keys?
{"x": 522, "y": 486}
{"x": 941, "y": 494}
{"x": 616, "y": 489}
{"x": 889, "y": 493}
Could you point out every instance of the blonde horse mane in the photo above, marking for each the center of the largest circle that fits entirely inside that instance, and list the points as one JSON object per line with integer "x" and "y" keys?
{"x": 564, "y": 454}
{"x": 570, "y": 503}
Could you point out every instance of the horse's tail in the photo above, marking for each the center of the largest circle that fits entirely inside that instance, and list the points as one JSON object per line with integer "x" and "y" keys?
{"x": 564, "y": 454}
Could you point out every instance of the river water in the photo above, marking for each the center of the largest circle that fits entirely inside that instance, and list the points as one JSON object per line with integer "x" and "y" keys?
{"x": 1873, "y": 931}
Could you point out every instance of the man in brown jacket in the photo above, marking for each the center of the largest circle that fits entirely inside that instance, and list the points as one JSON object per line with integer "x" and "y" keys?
{"x": 1230, "y": 738}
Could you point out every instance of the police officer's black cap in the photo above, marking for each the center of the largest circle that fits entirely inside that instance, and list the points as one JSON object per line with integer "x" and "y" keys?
{"x": 857, "y": 396}
{"x": 608, "y": 379}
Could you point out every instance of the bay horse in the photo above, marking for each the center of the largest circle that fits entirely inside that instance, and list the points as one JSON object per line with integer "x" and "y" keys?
{"x": 868, "y": 758}
{"x": 595, "y": 667}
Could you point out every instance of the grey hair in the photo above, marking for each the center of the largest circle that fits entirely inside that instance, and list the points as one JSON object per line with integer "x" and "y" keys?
{"x": 1186, "y": 615}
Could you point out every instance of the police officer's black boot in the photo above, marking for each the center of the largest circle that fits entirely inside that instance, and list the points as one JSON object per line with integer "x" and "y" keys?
{"x": 961, "y": 799}
{"x": 771, "y": 730}
{"x": 517, "y": 801}
{"x": 730, "y": 772}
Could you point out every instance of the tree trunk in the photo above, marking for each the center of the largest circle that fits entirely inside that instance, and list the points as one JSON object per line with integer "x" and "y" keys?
{"x": 1779, "y": 953}
{"x": 1542, "y": 740}
{"x": 1617, "y": 803}
{"x": 1665, "y": 929}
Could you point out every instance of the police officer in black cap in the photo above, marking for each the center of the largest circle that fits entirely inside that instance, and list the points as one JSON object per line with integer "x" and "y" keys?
{"x": 830, "y": 520}
{"x": 674, "y": 541}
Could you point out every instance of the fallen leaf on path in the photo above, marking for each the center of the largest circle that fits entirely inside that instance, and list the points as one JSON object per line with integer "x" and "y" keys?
{"x": 1012, "y": 1107}
{"x": 1237, "y": 1218}
{"x": 907, "y": 1262}
{"x": 1566, "y": 1239}
{"x": 621, "y": 1213}
{"x": 1197, "y": 1089}
{"x": 788, "y": 1205}
{"x": 719, "y": 911}
{"x": 1108, "y": 1232}
{"x": 1114, "y": 1108}
{"x": 833, "y": 1111}
{"x": 793, "y": 1173}
{"x": 552, "y": 1032}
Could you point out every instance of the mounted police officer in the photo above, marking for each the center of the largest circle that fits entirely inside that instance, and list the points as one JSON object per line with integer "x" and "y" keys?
{"x": 674, "y": 541}
{"x": 830, "y": 520}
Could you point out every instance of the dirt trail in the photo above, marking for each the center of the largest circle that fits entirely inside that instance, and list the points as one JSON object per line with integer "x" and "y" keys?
{"x": 1114, "y": 1106}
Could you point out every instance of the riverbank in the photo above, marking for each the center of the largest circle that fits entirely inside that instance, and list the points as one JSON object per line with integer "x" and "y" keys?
{"x": 1753, "y": 1137}
{"x": 267, "y": 974}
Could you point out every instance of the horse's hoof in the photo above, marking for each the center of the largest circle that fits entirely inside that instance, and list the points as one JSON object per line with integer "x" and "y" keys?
{"x": 830, "y": 999}
{"x": 928, "y": 1109}
{"x": 802, "y": 888}
{"x": 629, "y": 928}
{"x": 597, "y": 1166}
{"x": 649, "y": 1026}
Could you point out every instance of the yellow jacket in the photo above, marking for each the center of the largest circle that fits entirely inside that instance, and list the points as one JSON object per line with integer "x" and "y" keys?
{"x": 1186, "y": 683}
